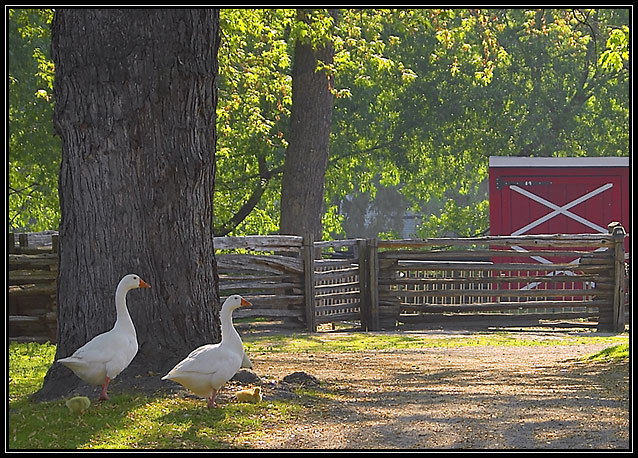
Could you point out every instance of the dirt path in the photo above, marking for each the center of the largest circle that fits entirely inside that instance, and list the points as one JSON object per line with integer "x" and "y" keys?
{"x": 478, "y": 397}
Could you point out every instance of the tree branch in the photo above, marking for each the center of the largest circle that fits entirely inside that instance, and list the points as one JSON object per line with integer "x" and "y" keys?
{"x": 265, "y": 175}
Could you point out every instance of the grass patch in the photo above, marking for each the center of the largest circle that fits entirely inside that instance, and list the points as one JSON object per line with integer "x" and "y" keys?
{"x": 611, "y": 353}
{"x": 360, "y": 341}
{"x": 28, "y": 364}
{"x": 127, "y": 421}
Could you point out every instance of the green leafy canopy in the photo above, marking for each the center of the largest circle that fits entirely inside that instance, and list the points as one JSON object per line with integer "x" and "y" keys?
{"x": 422, "y": 98}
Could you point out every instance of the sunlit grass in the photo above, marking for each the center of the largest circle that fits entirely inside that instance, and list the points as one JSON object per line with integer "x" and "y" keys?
{"x": 28, "y": 364}
{"x": 127, "y": 421}
{"x": 615, "y": 352}
{"x": 360, "y": 341}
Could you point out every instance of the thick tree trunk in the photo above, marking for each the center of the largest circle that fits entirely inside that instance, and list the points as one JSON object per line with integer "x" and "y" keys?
{"x": 302, "y": 186}
{"x": 135, "y": 106}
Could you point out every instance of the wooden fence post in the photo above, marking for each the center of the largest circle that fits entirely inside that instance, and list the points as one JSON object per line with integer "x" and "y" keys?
{"x": 373, "y": 284}
{"x": 618, "y": 317}
{"x": 364, "y": 289}
{"x": 308, "y": 253}
{"x": 24, "y": 240}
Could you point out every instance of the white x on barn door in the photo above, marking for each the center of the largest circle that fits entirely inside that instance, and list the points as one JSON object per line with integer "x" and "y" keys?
{"x": 561, "y": 210}
{"x": 557, "y": 210}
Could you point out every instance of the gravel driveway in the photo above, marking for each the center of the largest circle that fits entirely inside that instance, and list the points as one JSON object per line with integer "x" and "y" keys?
{"x": 472, "y": 397}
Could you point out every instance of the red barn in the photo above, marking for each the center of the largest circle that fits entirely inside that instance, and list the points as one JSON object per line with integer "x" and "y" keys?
{"x": 558, "y": 195}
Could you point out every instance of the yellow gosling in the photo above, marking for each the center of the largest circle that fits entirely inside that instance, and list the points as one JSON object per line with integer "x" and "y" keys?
{"x": 78, "y": 405}
{"x": 250, "y": 395}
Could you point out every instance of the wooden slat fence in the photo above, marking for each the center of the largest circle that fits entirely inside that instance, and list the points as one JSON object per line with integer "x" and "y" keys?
{"x": 268, "y": 271}
{"x": 339, "y": 291}
{"x": 33, "y": 267}
{"x": 376, "y": 284}
{"x": 502, "y": 281}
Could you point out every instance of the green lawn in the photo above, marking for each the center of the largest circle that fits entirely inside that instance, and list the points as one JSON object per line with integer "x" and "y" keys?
{"x": 126, "y": 421}
{"x": 172, "y": 422}
{"x": 619, "y": 351}
{"x": 357, "y": 341}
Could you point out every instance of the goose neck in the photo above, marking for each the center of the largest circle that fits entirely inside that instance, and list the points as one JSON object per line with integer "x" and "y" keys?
{"x": 229, "y": 333}
{"x": 123, "y": 317}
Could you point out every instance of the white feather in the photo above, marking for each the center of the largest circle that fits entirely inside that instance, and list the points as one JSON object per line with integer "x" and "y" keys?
{"x": 108, "y": 354}
{"x": 207, "y": 368}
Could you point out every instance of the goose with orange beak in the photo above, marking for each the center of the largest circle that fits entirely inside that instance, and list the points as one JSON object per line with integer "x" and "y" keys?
{"x": 102, "y": 358}
{"x": 207, "y": 368}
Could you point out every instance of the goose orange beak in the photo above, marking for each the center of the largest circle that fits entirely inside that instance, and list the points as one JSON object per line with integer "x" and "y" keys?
{"x": 143, "y": 284}
{"x": 245, "y": 303}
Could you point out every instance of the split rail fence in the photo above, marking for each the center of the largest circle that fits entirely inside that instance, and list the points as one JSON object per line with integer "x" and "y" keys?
{"x": 531, "y": 280}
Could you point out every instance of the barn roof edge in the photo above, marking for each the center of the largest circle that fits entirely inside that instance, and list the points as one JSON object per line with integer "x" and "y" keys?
{"x": 509, "y": 161}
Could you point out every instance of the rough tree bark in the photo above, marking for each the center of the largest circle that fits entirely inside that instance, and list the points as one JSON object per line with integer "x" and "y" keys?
{"x": 303, "y": 181}
{"x": 135, "y": 106}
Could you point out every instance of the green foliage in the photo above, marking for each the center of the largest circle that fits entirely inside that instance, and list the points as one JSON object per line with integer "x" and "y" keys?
{"x": 616, "y": 56}
{"x": 332, "y": 223}
{"x": 314, "y": 27}
{"x": 487, "y": 82}
{"x": 457, "y": 221}
{"x": 422, "y": 98}
{"x": 34, "y": 152}
{"x": 255, "y": 96}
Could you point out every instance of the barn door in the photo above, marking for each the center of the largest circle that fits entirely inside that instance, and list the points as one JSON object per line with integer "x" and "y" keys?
{"x": 558, "y": 205}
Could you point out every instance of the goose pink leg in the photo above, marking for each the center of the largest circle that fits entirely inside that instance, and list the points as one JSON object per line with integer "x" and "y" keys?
{"x": 103, "y": 395}
{"x": 211, "y": 400}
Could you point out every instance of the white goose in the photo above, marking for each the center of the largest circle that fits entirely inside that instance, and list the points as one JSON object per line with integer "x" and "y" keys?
{"x": 102, "y": 358}
{"x": 205, "y": 370}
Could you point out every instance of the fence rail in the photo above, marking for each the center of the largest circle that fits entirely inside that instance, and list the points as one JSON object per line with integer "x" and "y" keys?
{"x": 33, "y": 267}
{"x": 268, "y": 271}
{"x": 377, "y": 284}
{"x": 502, "y": 279}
